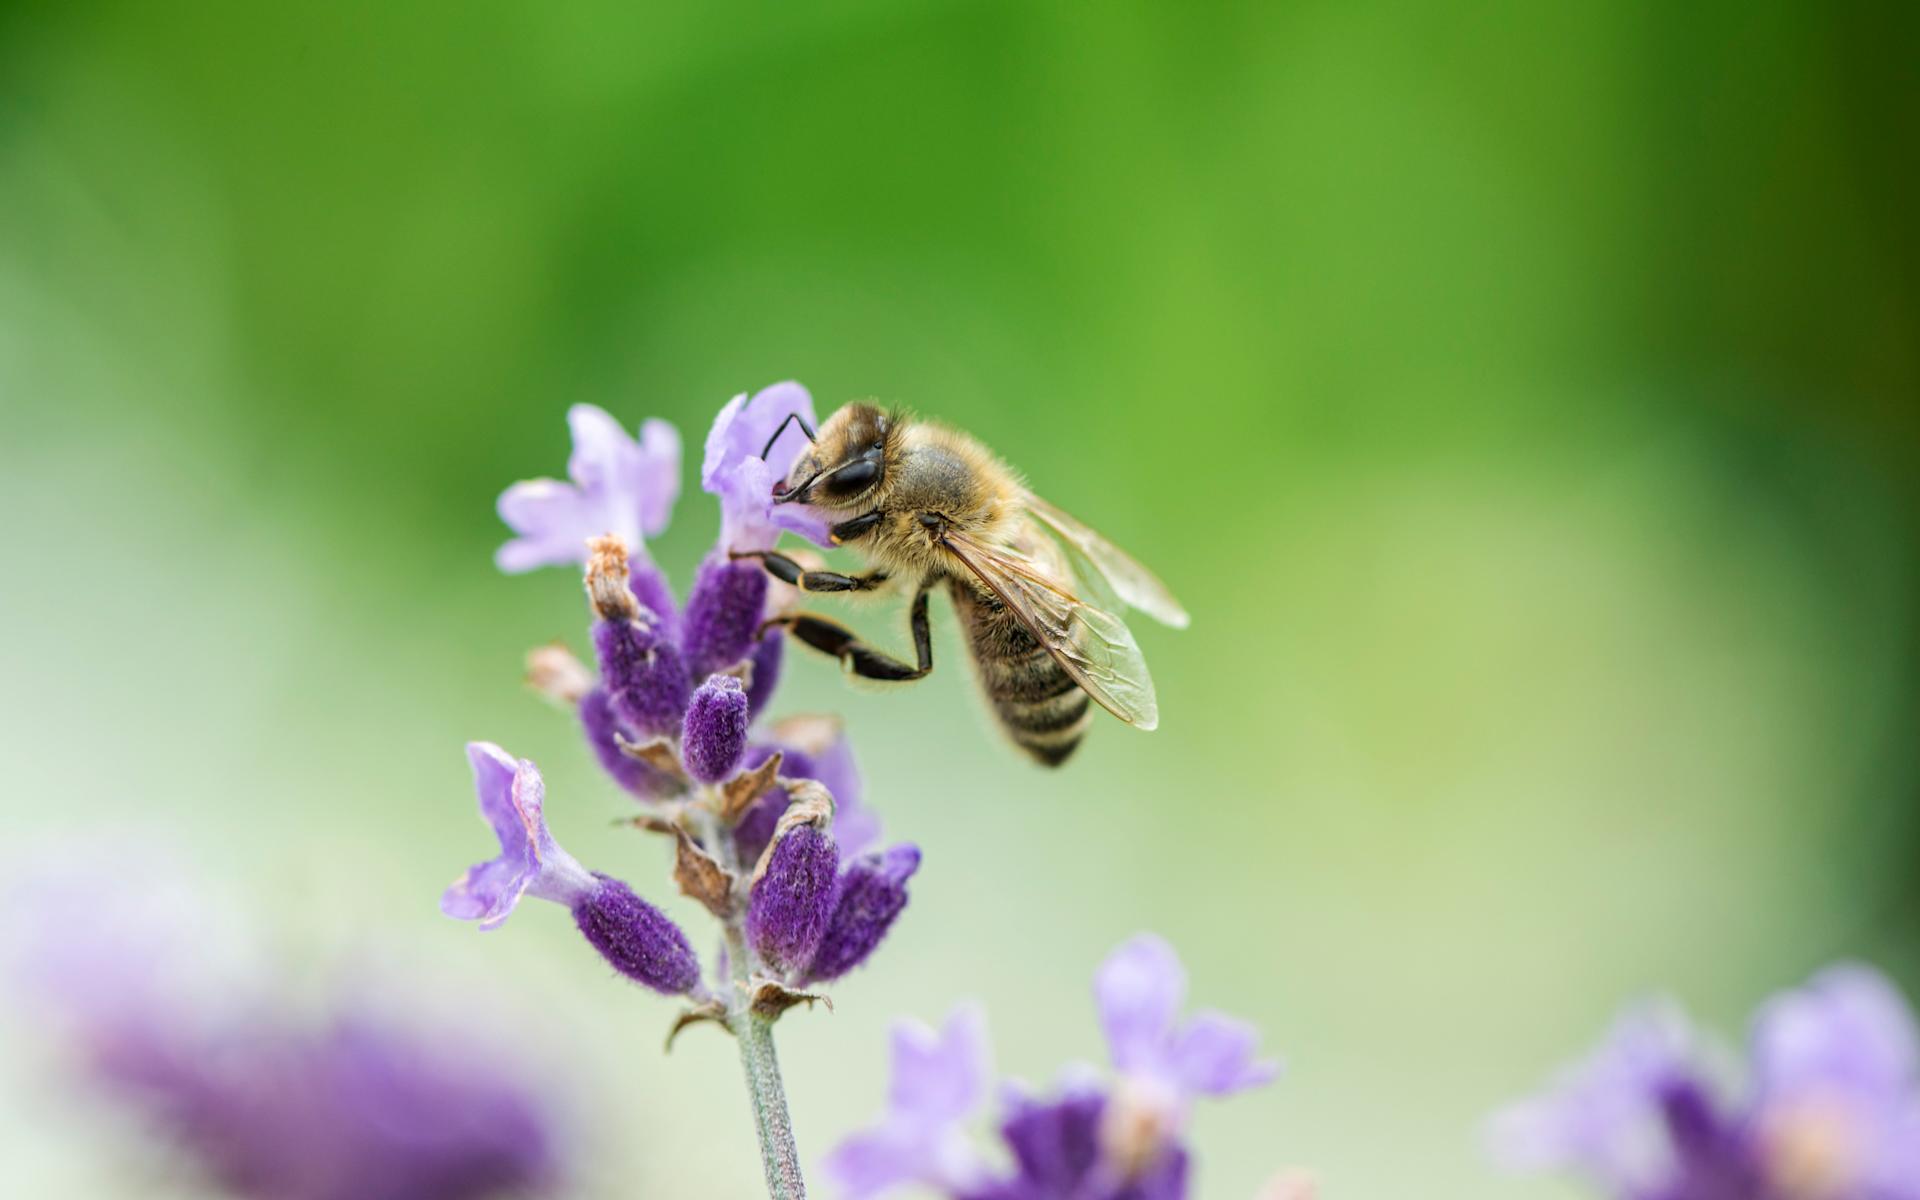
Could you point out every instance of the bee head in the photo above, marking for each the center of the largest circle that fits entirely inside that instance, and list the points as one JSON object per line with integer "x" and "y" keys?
{"x": 846, "y": 462}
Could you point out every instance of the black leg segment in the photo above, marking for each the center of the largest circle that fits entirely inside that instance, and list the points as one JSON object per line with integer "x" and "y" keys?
{"x": 788, "y": 571}
{"x": 846, "y": 531}
{"x": 863, "y": 660}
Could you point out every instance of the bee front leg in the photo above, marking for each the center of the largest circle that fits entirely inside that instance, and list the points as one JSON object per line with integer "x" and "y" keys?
{"x": 830, "y": 637}
{"x": 788, "y": 571}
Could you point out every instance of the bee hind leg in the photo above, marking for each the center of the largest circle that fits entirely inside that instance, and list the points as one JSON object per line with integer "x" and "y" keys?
{"x": 788, "y": 571}
{"x": 830, "y": 637}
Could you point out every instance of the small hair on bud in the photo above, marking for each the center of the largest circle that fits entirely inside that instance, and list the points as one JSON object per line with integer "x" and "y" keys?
{"x": 554, "y": 672}
{"x": 608, "y": 586}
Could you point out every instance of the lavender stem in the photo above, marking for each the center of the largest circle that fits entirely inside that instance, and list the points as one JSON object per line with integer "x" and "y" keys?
{"x": 762, "y": 1067}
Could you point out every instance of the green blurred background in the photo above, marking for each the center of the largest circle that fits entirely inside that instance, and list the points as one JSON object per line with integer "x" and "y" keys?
{"x": 1521, "y": 397}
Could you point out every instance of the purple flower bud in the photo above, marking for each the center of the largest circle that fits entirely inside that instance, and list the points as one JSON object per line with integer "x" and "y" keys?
{"x": 766, "y": 672}
{"x": 715, "y": 734}
{"x": 723, "y": 613}
{"x": 637, "y": 938}
{"x": 793, "y": 890}
{"x": 597, "y": 719}
{"x": 650, "y": 587}
{"x": 645, "y": 679}
{"x": 640, "y": 667}
{"x": 871, "y": 893}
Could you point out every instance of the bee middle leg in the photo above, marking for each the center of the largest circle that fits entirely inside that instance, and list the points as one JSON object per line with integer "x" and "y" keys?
{"x": 788, "y": 571}
{"x": 830, "y": 637}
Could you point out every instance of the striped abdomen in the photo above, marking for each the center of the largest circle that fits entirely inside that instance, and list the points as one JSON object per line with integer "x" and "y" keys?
{"x": 1042, "y": 709}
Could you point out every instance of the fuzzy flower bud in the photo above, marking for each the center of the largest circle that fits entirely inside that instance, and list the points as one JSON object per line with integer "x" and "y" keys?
{"x": 714, "y": 737}
{"x": 639, "y": 940}
{"x": 791, "y": 901}
{"x": 723, "y": 613}
{"x": 871, "y": 893}
{"x": 643, "y": 673}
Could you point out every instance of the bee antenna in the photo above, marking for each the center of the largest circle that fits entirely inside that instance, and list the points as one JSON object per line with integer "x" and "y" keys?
{"x": 791, "y": 418}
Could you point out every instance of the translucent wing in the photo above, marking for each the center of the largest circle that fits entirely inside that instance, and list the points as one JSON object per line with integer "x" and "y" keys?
{"x": 1133, "y": 583}
{"x": 1092, "y": 645}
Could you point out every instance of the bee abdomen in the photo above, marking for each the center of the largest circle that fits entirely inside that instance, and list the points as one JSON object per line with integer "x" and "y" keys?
{"x": 1043, "y": 710}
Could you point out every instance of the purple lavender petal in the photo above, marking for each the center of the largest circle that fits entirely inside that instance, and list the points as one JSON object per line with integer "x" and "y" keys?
{"x": 939, "y": 1080}
{"x": 856, "y": 825}
{"x": 714, "y": 736}
{"x": 1837, "y": 1082}
{"x": 530, "y": 862}
{"x": 1056, "y": 1142}
{"x": 602, "y": 728}
{"x": 550, "y": 518}
{"x": 619, "y": 486}
{"x": 1848, "y": 1031}
{"x": 872, "y": 892}
{"x": 791, "y": 903}
{"x": 767, "y": 655}
{"x": 1138, "y": 990}
{"x": 723, "y": 615}
{"x": 1214, "y": 1056}
{"x": 941, "y": 1076}
{"x": 734, "y": 471}
{"x": 639, "y": 940}
{"x": 643, "y": 673}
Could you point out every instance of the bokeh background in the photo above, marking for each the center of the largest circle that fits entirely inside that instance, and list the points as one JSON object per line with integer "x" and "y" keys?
{"x": 1521, "y": 396}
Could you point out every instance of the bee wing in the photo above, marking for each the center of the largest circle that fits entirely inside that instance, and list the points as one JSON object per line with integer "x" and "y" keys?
{"x": 1132, "y": 582}
{"x": 1092, "y": 645}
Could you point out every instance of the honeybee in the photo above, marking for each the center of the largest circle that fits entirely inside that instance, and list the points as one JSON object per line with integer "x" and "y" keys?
{"x": 1036, "y": 591}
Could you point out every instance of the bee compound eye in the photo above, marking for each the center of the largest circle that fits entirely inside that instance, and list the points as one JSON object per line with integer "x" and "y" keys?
{"x": 858, "y": 477}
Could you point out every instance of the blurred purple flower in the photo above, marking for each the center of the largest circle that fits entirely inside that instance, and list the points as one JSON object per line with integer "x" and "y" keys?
{"x": 361, "y": 1107}
{"x": 355, "y": 1111}
{"x": 620, "y": 486}
{"x": 1090, "y": 1139}
{"x": 1832, "y": 1111}
{"x": 939, "y": 1081}
{"x": 1836, "y": 1104}
{"x": 734, "y": 470}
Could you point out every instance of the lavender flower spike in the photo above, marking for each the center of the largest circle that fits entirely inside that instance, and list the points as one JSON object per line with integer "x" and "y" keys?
{"x": 871, "y": 893}
{"x": 530, "y": 862}
{"x": 735, "y": 470}
{"x": 939, "y": 1081}
{"x": 620, "y": 487}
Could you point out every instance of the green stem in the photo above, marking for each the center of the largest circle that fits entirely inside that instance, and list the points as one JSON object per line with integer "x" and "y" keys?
{"x": 777, "y": 1151}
